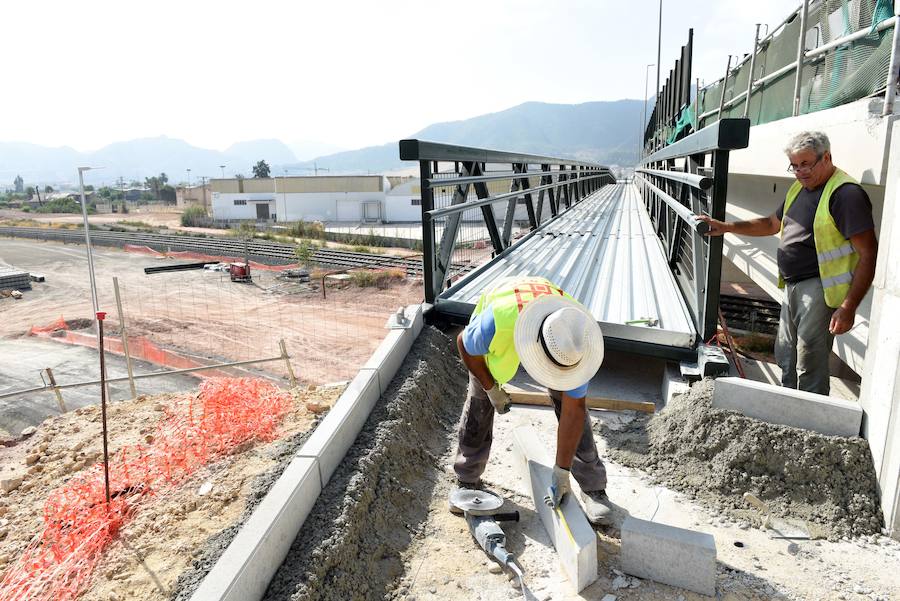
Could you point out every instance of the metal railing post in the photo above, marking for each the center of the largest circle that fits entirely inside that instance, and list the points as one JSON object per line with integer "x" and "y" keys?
{"x": 124, "y": 338}
{"x": 752, "y": 67}
{"x": 427, "y": 204}
{"x": 801, "y": 54}
{"x": 890, "y": 92}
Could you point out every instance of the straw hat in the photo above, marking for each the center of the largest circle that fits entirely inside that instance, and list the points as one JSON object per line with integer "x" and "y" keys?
{"x": 559, "y": 342}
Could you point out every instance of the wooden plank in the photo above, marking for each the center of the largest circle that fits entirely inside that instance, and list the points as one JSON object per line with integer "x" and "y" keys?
{"x": 525, "y": 397}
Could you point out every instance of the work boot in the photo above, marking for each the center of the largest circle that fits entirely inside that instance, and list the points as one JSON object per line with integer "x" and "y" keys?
{"x": 597, "y": 507}
{"x": 460, "y": 484}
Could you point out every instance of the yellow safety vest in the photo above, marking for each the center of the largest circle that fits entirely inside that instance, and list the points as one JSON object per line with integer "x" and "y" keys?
{"x": 836, "y": 256}
{"x": 506, "y": 299}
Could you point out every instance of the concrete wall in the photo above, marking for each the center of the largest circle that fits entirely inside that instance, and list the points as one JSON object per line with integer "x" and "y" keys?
{"x": 321, "y": 183}
{"x": 880, "y": 395}
{"x": 322, "y": 206}
{"x": 758, "y": 182}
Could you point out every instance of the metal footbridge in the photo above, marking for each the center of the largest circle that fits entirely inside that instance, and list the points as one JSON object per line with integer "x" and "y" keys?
{"x": 632, "y": 251}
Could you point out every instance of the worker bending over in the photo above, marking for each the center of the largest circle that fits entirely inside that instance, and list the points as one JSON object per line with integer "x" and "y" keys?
{"x": 530, "y": 320}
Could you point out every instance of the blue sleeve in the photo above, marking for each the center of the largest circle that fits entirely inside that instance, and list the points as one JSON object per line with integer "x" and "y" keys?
{"x": 478, "y": 334}
{"x": 580, "y": 392}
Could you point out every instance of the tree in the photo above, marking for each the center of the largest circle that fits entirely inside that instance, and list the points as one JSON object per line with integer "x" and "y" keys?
{"x": 29, "y": 191}
{"x": 167, "y": 194}
{"x": 48, "y": 189}
{"x": 261, "y": 169}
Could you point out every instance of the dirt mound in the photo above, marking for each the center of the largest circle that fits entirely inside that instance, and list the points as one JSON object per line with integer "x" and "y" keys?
{"x": 350, "y": 546}
{"x": 715, "y": 456}
{"x": 80, "y": 323}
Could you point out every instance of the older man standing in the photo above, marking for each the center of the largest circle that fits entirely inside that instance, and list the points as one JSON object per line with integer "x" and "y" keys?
{"x": 826, "y": 259}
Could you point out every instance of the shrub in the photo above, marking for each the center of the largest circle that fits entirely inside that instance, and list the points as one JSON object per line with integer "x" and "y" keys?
{"x": 302, "y": 229}
{"x": 378, "y": 278}
{"x": 194, "y": 216}
{"x": 305, "y": 250}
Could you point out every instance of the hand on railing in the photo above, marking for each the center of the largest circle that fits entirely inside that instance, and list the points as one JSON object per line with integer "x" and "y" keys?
{"x": 716, "y": 227}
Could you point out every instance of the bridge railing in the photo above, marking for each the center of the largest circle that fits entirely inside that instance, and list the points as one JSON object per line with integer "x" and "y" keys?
{"x": 678, "y": 183}
{"x": 476, "y": 202}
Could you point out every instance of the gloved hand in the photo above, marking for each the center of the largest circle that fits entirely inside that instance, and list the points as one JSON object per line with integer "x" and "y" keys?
{"x": 499, "y": 398}
{"x": 559, "y": 487}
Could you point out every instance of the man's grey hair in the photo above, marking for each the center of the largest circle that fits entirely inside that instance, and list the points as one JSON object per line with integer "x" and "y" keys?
{"x": 816, "y": 141}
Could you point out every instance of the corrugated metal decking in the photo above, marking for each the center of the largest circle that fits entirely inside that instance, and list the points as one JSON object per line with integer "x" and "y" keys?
{"x": 605, "y": 253}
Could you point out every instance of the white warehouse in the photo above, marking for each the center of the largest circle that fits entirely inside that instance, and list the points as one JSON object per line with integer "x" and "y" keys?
{"x": 340, "y": 198}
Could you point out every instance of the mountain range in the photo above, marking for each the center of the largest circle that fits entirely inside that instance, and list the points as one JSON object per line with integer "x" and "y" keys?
{"x": 603, "y": 132}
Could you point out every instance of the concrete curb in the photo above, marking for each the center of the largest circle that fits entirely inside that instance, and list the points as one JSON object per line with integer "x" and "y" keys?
{"x": 244, "y": 570}
{"x": 777, "y": 405}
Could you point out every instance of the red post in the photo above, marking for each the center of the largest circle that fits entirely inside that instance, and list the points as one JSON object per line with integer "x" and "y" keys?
{"x": 100, "y": 317}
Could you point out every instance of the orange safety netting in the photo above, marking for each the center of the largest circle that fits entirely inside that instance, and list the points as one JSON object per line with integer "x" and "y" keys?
{"x": 59, "y": 324}
{"x": 78, "y": 523}
{"x": 186, "y": 254}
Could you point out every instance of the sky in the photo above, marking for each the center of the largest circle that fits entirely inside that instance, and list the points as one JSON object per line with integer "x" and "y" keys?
{"x": 342, "y": 72}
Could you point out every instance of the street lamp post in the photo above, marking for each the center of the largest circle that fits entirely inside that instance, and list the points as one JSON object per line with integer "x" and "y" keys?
{"x": 222, "y": 167}
{"x": 187, "y": 190}
{"x": 644, "y": 116}
{"x": 87, "y": 238}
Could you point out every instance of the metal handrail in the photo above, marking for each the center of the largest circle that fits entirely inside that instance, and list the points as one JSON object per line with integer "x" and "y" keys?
{"x": 502, "y": 175}
{"x": 701, "y": 227}
{"x": 423, "y": 150}
{"x": 697, "y": 181}
{"x": 474, "y": 204}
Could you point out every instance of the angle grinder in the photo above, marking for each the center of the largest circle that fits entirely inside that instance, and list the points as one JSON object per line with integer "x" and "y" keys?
{"x": 482, "y": 511}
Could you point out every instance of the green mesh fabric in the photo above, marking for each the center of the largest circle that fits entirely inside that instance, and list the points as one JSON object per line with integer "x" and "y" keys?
{"x": 685, "y": 119}
{"x": 849, "y": 72}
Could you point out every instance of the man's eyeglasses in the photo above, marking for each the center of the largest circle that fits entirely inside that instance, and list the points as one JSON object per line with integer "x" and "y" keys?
{"x": 803, "y": 167}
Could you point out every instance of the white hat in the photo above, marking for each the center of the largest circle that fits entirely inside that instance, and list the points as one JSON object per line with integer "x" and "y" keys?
{"x": 559, "y": 342}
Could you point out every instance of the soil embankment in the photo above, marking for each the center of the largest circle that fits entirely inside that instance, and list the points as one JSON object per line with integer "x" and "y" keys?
{"x": 715, "y": 456}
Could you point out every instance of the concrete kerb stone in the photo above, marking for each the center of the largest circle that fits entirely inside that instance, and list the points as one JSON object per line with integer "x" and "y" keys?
{"x": 669, "y": 555}
{"x": 245, "y": 568}
{"x": 251, "y": 559}
{"x": 796, "y": 408}
{"x": 389, "y": 355}
{"x": 568, "y": 528}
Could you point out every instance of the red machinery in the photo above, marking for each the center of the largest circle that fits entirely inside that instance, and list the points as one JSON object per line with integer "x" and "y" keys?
{"x": 240, "y": 272}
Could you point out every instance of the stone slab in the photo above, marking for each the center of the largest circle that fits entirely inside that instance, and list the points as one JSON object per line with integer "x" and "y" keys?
{"x": 779, "y": 405}
{"x": 669, "y": 555}
{"x": 244, "y": 570}
{"x": 568, "y": 528}
{"x": 334, "y": 435}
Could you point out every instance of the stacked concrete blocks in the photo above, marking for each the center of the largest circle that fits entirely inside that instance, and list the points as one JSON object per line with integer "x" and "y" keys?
{"x": 251, "y": 559}
{"x": 571, "y": 533}
{"x": 796, "y": 408}
{"x": 669, "y": 555}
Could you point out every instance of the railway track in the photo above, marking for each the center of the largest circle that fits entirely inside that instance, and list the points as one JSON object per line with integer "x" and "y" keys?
{"x": 258, "y": 250}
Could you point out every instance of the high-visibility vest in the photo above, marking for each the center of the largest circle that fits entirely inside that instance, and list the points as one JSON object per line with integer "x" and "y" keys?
{"x": 506, "y": 299}
{"x": 835, "y": 254}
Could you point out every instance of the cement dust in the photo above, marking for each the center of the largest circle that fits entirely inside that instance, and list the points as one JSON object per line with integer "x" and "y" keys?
{"x": 715, "y": 456}
{"x": 171, "y": 528}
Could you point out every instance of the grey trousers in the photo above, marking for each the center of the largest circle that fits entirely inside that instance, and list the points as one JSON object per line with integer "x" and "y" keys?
{"x": 476, "y": 434}
{"x": 804, "y": 343}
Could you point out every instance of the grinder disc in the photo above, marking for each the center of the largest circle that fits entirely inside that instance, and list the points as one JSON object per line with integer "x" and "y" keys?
{"x": 476, "y": 502}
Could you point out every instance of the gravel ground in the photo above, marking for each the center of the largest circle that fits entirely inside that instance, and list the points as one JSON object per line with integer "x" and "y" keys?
{"x": 350, "y": 547}
{"x": 715, "y": 456}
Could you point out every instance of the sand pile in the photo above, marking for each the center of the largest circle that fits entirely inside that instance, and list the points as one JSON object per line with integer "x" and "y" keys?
{"x": 350, "y": 546}
{"x": 715, "y": 456}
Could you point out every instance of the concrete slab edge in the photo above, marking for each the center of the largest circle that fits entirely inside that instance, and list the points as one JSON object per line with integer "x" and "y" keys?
{"x": 569, "y": 530}
{"x": 244, "y": 570}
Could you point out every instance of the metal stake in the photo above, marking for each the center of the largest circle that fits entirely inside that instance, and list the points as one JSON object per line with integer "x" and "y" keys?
{"x": 801, "y": 54}
{"x": 724, "y": 85}
{"x": 124, "y": 338}
{"x": 890, "y": 91}
{"x": 100, "y": 317}
{"x": 750, "y": 77}
{"x": 287, "y": 362}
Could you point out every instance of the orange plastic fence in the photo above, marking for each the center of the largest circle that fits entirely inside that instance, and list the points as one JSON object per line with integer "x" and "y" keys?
{"x": 59, "y": 324}
{"x": 79, "y": 524}
{"x": 139, "y": 348}
{"x": 186, "y": 254}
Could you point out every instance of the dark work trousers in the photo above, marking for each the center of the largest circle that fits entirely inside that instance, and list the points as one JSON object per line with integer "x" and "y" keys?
{"x": 476, "y": 434}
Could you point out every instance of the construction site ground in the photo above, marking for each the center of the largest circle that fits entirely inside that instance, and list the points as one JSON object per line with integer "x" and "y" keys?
{"x": 203, "y": 314}
{"x": 171, "y": 528}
